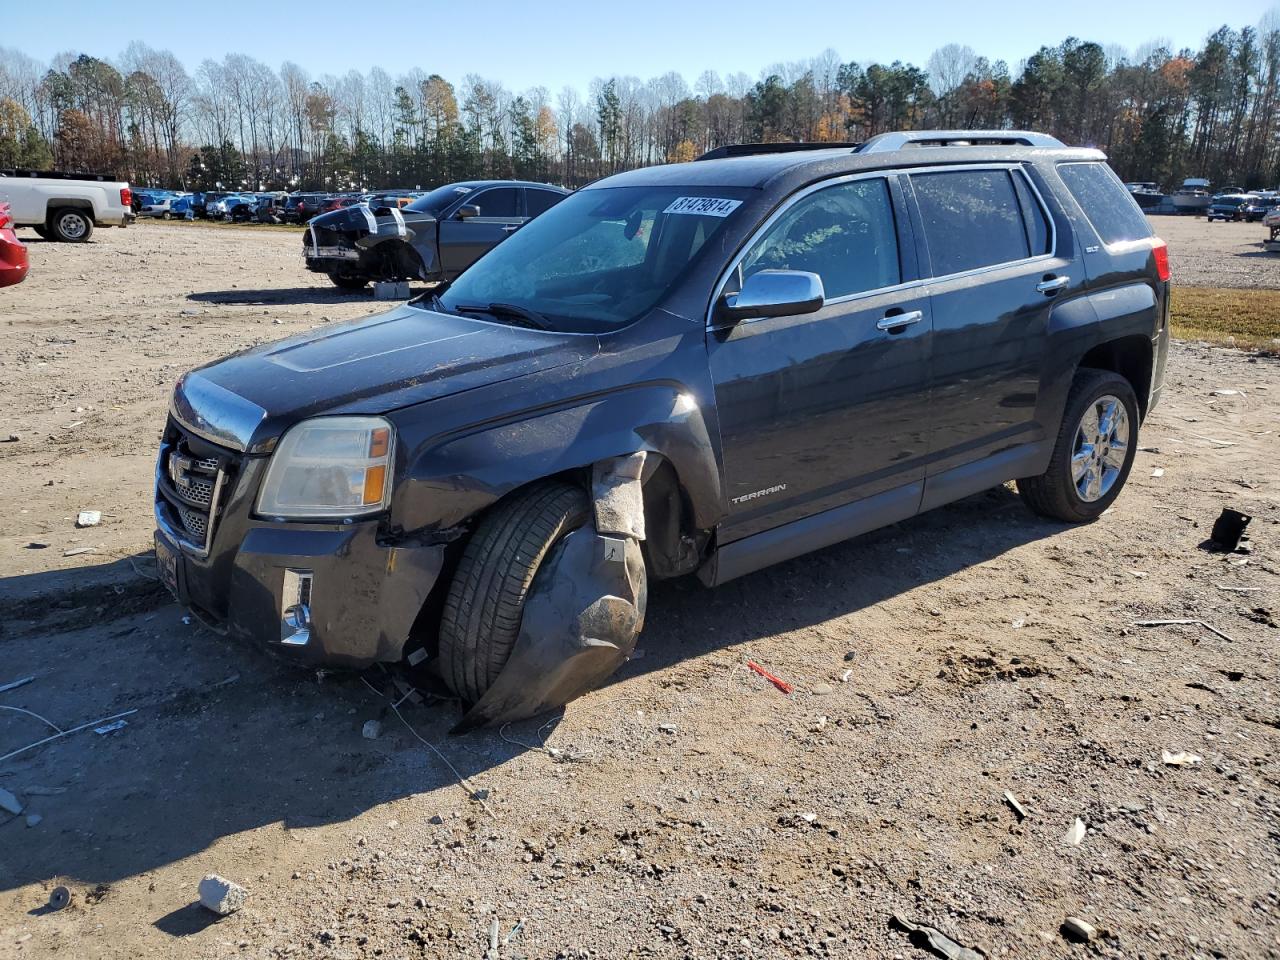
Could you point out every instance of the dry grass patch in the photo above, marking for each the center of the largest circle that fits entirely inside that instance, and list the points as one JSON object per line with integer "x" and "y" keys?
{"x": 1249, "y": 319}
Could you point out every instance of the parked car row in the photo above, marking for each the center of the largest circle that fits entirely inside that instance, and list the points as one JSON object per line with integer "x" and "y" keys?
{"x": 1246, "y": 207}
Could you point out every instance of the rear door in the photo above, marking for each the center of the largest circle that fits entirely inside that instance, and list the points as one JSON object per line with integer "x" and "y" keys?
{"x": 822, "y": 409}
{"x": 463, "y": 242}
{"x": 989, "y": 244}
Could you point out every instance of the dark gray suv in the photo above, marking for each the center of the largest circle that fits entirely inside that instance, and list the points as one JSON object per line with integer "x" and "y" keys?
{"x": 702, "y": 368}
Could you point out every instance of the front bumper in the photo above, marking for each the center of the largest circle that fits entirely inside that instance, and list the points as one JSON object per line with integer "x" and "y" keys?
{"x": 248, "y": 577}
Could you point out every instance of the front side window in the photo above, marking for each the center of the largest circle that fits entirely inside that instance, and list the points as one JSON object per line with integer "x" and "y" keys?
{"x": 601, "y": 258}
{"x": 496, "y": 203}
{"x": 844, "y": 233}
{"x": 1109, "y": 207}
{"x": 971, "y": 218}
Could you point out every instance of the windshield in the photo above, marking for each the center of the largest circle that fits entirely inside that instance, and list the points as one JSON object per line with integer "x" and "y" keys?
{"x": 600, "y": 258}
{"x": 439, "y": 198}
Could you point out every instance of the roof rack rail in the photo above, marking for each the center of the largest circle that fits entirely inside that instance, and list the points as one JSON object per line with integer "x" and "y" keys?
{"x": 902, "y": 139}
{"x": 751, "y": 149}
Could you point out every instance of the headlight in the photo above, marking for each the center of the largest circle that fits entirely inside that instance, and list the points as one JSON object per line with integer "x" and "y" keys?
{"x": 330, "y": 467}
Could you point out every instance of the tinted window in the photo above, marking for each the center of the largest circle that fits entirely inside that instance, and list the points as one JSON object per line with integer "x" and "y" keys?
{"x": 845, "y": 234}
{"x": 439, "y": 198}
{"x": 500, "y": 202}
{"x": 540, "y": 201}
{"x": 971, "y": 219}
{"x": 1033, "y": 216}
{"x": 1111, "y": 209}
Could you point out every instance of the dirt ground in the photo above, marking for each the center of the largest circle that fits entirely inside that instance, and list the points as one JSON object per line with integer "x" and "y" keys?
{"x": 688, "y": 808}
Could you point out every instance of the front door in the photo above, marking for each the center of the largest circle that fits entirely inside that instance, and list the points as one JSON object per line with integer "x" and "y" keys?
{"x": 825, "y": 408}
{"x": 463, "y": 242}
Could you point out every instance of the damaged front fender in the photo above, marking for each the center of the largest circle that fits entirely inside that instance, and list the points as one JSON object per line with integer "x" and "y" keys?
{"x": 581, "y": 619}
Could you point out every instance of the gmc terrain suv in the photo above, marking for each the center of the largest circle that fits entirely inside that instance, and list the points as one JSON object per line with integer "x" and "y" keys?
{"x": 705, "y": 367}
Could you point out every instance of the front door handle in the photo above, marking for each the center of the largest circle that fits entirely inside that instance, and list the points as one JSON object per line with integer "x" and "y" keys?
{"x": 1052, "y": 284}
{"x": 896, "y": 321}
{"x": 511, "y": 228}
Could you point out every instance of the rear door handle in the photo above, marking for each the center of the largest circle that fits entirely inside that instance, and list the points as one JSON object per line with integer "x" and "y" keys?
{"x": 1052, "y": 284}
{"x": 897, "y": 321}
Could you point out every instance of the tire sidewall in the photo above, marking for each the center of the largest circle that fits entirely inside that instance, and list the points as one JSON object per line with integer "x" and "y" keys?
{"x": 1116, "y": 386}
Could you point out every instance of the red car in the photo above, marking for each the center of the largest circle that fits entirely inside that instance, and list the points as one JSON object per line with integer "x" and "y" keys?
{"x": 13, "y": 254}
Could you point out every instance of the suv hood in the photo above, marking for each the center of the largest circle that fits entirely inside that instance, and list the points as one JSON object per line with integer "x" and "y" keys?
{"x": 373, "y": 365}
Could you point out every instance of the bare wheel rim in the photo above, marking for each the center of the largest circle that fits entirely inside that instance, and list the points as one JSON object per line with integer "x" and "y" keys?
{"x": 1102, "y": 444}
{"x": 71, "y": 225}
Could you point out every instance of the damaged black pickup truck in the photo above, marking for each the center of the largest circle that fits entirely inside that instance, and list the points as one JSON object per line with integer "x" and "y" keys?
{"x": 434, "y": 238}
{"x": 704, "y": 368}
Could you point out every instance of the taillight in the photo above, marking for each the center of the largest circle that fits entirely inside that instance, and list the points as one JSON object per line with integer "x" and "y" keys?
{"x": 1160, "y": 250}
{"x": 126, "y": 197}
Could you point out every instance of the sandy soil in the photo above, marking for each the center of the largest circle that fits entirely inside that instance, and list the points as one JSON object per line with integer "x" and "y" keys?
{"x": 1203, "y": 254}
{"x": 688, "y": 808}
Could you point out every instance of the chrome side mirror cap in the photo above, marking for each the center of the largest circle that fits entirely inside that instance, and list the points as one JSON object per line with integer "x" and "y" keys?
{"x": 774, "y": 293}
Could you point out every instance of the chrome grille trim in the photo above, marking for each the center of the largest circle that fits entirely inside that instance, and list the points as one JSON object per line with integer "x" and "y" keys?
{"x": 189, "y": 489}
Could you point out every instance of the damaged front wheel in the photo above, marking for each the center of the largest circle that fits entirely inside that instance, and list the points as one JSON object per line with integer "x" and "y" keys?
{"x": 485, "y": 604}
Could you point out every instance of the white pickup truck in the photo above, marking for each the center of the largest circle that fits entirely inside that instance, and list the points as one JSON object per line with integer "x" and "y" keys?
{"x": 65, "y": 206}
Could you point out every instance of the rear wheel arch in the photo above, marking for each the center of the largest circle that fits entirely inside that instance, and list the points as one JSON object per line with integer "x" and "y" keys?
{"x": 1132, "y": 357}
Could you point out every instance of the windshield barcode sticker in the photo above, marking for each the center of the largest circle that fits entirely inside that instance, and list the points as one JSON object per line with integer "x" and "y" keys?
{"x": 703, "y": 206}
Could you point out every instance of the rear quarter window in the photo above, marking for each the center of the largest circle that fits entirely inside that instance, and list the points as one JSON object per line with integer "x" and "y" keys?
{"x": 1110, "y": 209}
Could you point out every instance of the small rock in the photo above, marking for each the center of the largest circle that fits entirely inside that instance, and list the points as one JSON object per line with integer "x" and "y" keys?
{"x": 13, "y": 438}
{"x": 849, "y": 656}
{"x": 1073, "y": 928}
{"x": 437, "y": 820}
{"x": 822, "y": 689}
{"x": 89, "y": 518}
{"x": 371, "y": 730}
{"x": 818, "y": 725}
{"x": 9, "y": 802}
{"x": 670, "y": 728}
{"x": 1075, "y": 834}
{"x": 221, "y": 895}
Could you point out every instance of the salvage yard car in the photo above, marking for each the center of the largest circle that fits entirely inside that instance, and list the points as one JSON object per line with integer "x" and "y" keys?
{"x": 433, "y": 238}
{"x": 703, "y": 368}
{"x": 13, "y": 252}
{"x": 66, "y": 206}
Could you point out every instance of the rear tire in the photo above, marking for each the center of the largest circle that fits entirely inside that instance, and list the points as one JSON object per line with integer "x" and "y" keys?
{"x": 1085, "y": 474}
{"x": 485, "y": 603}
{"x": 70, "y": 225}
{"x": 348, "y": 282}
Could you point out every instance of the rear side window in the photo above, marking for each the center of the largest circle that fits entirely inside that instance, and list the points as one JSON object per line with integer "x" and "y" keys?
{"x": 972, "y": 219}
{"x": 1110, "y": 208}
{"x": 845, "y": 234}
{"x": 1033, "y": 216}
{"x": 540, "y": 201}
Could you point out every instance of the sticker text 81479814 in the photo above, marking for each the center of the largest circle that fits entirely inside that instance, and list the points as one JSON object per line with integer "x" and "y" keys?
{"x": 703, "y": 206}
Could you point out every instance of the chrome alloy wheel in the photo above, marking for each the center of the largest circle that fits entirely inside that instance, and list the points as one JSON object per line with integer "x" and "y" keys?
{"x": 1102, "y": 443}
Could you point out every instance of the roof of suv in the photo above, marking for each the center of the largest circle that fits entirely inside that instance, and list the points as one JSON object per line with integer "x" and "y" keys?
{"x": 789, "y": 169}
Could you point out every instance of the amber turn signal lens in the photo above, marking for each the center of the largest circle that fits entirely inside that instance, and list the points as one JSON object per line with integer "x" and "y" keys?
{"x": 374, "y": 481}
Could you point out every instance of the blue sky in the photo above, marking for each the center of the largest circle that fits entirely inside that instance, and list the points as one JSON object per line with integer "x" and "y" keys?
{"x": 526, "y": 44}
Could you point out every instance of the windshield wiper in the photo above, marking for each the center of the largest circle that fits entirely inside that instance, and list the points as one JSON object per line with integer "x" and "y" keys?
{"x": 528, "y": 318}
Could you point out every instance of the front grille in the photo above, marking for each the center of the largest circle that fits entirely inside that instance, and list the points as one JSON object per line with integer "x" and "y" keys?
{"x": 193, "y": 479}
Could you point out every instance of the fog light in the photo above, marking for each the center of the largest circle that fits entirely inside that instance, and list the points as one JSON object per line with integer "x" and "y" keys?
{"x": 295, "y": 608}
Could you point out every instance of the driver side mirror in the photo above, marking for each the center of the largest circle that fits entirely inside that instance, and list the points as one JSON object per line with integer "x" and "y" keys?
{"x": 774, "y": 293}
{"x": 467, "y": 211}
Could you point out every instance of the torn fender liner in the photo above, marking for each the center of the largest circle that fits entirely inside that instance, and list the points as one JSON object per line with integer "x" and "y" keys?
{"x": 581, "y": 618}
{"x": 618, "y": 496}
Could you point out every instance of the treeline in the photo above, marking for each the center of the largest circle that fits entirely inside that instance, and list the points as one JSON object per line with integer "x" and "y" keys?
{"x": 1159, "y": 114}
